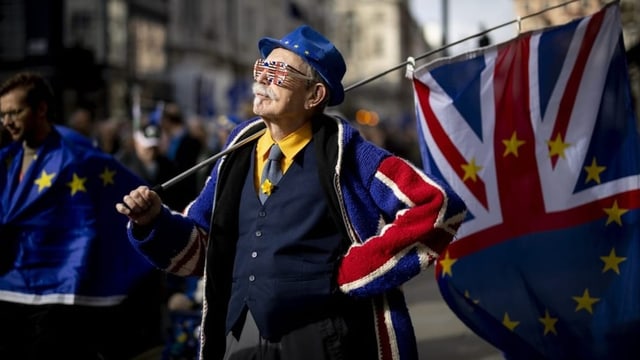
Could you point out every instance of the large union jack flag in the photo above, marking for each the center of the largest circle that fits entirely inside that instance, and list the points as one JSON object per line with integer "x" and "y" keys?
{"x": 538, "y": 137}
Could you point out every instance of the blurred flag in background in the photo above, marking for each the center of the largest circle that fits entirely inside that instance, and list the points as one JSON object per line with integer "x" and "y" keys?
{"x": 61, "y": 239}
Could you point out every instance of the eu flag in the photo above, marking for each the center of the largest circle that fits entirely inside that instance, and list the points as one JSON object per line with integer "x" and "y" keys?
{"x": 61, "y": 240}
{"x": 539, "y": 138}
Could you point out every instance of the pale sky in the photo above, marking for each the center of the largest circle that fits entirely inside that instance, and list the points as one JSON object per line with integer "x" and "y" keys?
{"x": 466, "y": 18}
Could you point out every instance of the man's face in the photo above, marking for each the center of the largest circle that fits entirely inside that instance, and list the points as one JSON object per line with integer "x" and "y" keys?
{"x": 18, "y": 119}
{"x": 272, "y": 100}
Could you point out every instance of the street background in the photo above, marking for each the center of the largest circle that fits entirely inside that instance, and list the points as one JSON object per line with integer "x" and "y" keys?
{"x": 441, "y": 335}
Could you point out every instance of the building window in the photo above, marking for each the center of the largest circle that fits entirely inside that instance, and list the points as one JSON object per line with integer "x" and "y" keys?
{"x": 117, "y": 32}
{"x": 349, "y": 30}
{"x": 378, "y": 47}
{"x": 150, "y": 43}
{"x": 12, "y": 30}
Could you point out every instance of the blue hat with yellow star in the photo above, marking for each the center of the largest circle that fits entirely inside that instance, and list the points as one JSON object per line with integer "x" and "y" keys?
{"x": 317, "y": 51}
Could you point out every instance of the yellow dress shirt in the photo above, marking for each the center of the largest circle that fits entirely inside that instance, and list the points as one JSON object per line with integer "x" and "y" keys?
{"x": 290, "y": 146}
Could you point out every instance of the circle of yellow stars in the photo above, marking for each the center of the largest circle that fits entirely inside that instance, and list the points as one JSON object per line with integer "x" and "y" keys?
{"x": 557, "y": 147}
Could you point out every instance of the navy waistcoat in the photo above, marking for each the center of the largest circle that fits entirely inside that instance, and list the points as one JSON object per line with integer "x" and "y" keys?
{"x": 284, "y": 269}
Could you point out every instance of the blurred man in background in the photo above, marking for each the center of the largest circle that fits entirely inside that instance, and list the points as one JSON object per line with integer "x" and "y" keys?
{"x": 181, "y": 146}
{"x": 70, "y": 286}
{"x": 147, "y": 161}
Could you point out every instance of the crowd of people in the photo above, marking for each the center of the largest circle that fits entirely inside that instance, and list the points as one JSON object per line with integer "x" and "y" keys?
{"x": 272, "y": 269}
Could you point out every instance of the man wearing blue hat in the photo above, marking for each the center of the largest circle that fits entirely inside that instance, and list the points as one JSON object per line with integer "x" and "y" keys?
{"x": 304, "y": 236}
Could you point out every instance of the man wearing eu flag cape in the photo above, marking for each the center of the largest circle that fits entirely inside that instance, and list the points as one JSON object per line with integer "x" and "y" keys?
{"x": 66, "y": 268}
{"x": 538, "y": 137}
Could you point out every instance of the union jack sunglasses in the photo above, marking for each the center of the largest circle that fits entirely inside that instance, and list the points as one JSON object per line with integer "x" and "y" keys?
{"x": 278, "y": 72}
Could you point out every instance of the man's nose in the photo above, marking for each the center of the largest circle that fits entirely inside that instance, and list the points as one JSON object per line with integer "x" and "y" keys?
{"x": 262, "y": 77}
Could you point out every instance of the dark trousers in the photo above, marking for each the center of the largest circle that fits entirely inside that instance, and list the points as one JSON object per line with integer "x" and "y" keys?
{"x": 331, "y": 338}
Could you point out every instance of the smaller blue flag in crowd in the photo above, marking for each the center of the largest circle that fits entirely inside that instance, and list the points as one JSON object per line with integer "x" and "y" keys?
{"x": 155, "y": 117}
{"x": 61, "y": 239}
{"x": 538, "y": 136}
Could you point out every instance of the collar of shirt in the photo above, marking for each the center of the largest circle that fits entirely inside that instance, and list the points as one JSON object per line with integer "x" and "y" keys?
{"x": 290, "y": 146}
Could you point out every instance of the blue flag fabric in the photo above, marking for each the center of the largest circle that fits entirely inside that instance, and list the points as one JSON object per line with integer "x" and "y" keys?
{"x": 539, "y": 138}
{"x": 61, "y": 240}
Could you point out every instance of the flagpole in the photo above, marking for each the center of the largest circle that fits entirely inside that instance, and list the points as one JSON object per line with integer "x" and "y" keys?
{"x": 161, "y": 187}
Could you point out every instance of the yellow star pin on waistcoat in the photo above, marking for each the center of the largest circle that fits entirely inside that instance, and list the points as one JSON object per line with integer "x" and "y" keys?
{"x": 267, "y": 187}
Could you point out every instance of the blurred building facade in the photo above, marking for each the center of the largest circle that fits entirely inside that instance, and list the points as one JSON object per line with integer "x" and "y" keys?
{"x": 213, "y": 46}
{"x": 630, "y": 9}
{"x": 123, "y": 56}
{"x": 374, "y": 37}
{"x": 92, "y": 51}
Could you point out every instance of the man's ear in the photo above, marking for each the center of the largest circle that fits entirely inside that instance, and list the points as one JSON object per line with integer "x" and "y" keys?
{"x": 317, "y": 94}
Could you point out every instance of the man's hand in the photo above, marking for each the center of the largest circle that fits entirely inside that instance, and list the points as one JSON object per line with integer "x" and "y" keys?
{"x": 142, "y": 205}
